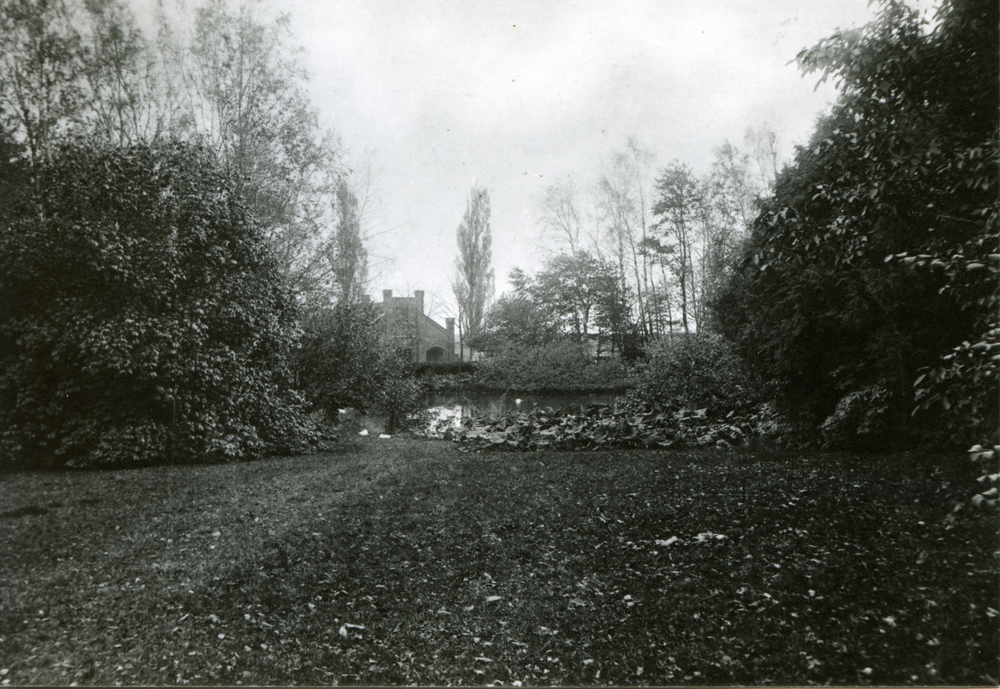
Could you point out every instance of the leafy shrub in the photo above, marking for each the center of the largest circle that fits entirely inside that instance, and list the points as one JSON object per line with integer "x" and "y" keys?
{"x": 342, "y": 362}
{"x": 598, "y": 427}
{"x": 143, "y": 317}
{"x": 878, "y": 253}
{"x": 864, "y": 419}
{"x": 694, "y": 372}
{"x": 961, "y": 394}
{"x": 398, "y": 395}
{"x": 562, "y": 366}
{"x": 984, "y": 461}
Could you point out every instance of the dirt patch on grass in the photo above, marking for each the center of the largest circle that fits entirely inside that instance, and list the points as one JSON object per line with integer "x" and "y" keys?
{"x": 394, "y": 562}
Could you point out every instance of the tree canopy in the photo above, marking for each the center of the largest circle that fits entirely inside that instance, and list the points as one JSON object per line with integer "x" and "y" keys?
{"x": 232, "y": 80}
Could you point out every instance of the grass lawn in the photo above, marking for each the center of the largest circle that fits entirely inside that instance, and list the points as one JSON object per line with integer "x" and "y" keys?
{"x": 403, "y": 561}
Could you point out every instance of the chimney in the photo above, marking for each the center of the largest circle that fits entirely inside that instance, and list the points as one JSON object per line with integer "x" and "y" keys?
{"x": 386, "y": 295}
{"x": 419, "y": 295}
{"x": 450, "y": 326}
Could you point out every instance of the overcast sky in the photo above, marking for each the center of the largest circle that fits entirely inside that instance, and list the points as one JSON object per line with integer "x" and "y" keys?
{"x": 516, "y": 94}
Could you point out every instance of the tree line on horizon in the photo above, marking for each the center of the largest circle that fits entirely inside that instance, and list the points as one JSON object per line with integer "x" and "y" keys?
{"x": 640, "y": 255}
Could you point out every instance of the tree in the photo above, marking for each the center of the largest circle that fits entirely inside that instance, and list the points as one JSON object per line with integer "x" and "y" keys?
{"x": 516, "y": 321}
{"x": 42, "y": 90}
{"x": 473, "y": 286}
{"x": 247, "y": 90}
{"x": 144, "y": 318}
{"x": 732, "y": 200}
{"x": 572, "y": 285}
{"x": 661, "y": 255}
{"x": 680, "y": 207}
{"x": 624, "y": 210}
{"x": 613, "y": 317}
{"x": 560, "y": 214}
{"x": 349, "y": 256}
{"x": 876, "y": 257}
{"x": 82, "y": 67}
{"x": 131, "y": 95}
{"x": 763, "y": 146}
{"x": 343, "y": 361}
{"x": 72, "y": 68}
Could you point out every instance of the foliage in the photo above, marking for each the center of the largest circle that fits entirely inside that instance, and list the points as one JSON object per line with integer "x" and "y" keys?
{"x": 144, "y": 319}
{"x": 663, "y": 246}
{"x": 963, "y": 390}
{"x": 597, "y": 427}
{"x": 252, "y": 106}
{"x": 569, "y": 297}
{"x": 343, "y": 362}
{"x": 515, "y": 320}
{"x": 83, "y": 66}
{"x": 560, "y": 215}
{"x": 350, "y": 258}
{"x": 732, "y": 200}
{"x": 473, "y": 285}
{"x": 874, "y": 258}
{"x": 72, "y": 68}
{"x": 862, "y": 420}
{"x": 578, "y": 288}
{"x": 984, "y": 460}
{"x": 623, "y": 216}
{"x": 437, "y": 368}
{"x": 561, "y": 366}
{"x": 679, "y": 208}
{"x": 41, "y": 73}
{"x": 396, "y": 562}
{"x": 693, "y": 372}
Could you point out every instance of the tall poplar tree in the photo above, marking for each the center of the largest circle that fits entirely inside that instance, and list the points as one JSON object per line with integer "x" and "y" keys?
{"x": 349, "y": 258}
{"x": 473, "y": 285}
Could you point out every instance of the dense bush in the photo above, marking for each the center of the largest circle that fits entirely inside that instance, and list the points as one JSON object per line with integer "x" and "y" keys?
{"x": 877, "y": 257}
{"x": 342, "y": 362}
{"x": 562, "y": 366}
{"x": 694, "y": 372}
{"x": 143, "y": 318}
{"x": 863, "y": 420}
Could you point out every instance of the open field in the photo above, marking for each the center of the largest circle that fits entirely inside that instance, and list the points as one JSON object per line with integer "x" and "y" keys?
{"x": 401, "y": 561}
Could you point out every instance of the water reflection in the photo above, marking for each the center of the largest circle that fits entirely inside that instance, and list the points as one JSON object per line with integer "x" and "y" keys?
{"x": 448, "y": 408}
{"x": 498, "y": 404}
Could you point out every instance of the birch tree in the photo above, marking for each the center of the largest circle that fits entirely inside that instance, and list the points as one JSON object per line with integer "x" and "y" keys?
{"x": 42, "y": 89}
{"x": 246, "y": 86}
{"x": 679, "y": 209}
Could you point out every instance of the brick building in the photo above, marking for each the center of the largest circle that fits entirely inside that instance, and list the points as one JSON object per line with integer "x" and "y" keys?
{"x": 407, "y": 328}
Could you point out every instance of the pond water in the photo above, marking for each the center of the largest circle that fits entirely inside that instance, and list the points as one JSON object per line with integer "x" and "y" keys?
{"x": 455, "y": 405}
{"x": 497, "y": 404}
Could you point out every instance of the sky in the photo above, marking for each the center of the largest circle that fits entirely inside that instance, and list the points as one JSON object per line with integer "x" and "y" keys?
{"x": 515, "y": 95}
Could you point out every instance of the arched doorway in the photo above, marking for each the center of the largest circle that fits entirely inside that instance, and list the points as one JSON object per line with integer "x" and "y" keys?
{"x": 435, "y": 355}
